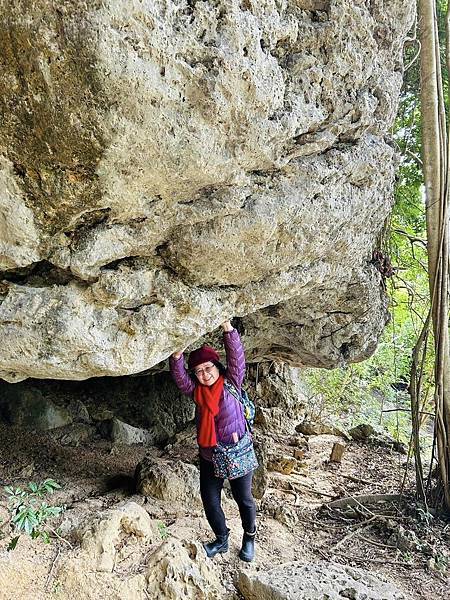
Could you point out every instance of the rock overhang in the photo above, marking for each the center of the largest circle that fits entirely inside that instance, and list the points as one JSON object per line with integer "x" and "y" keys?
{"x": 168, "y": 165}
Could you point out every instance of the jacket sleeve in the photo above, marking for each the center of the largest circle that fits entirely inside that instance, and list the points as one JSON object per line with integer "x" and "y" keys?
{"x": 235, "y": 358}
{"x": 181, "y": 377}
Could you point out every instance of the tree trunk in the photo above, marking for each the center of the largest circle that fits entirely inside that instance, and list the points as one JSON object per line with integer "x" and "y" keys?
{"x": 436, "y": 176}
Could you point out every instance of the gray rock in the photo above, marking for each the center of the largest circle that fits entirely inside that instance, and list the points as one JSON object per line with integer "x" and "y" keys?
{"x": 315, "y": 581}
{"x": 123, "y": 433}
{"x": 308, "y": 427}
{"x": 75, "y": 434}
{"x": 174, "y": 482}
{"x": 26, "y": 406}
{"x": 78, "y": 411}
{"x": 368, "y": 434}
{"x": 362, "y": 432}
{"x": 171, "y": 164}
{"x": 112, "y": 542}
{"x": 280, "y": 396}
{"x": 285, "y": 515}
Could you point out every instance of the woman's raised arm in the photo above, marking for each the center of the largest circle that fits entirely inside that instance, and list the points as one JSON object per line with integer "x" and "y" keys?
{"x": 235, "y": 355}
{"x": 181, "y": 377}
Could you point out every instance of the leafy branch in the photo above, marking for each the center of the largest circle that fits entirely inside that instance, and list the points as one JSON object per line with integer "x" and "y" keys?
{"x": 29, "y": 511}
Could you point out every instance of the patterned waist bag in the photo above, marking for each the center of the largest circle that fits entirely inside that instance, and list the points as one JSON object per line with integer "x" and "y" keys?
{"x": 235, "y": 460}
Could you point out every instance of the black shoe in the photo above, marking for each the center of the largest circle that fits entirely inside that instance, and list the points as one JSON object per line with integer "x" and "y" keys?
{"x": 247, "y": 552}
{"x": 218, "y": 546}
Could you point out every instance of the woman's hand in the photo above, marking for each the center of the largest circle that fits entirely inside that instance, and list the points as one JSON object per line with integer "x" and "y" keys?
{"x": 227, "y": 326}
{"x": 178, "y": 354}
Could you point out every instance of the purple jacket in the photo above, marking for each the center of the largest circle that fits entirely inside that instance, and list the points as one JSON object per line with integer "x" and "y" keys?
{"x": 231, "y": 416}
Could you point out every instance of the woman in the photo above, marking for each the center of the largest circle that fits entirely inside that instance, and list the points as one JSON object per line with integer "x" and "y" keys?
{"x": 220, "y": 423}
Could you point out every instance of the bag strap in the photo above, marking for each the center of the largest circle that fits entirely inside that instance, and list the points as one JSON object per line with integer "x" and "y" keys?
{"x": 230, "y": 387}
{"x": 233, "y": 391}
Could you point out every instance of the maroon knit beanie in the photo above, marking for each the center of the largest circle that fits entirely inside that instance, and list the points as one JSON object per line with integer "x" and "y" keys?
{"x": 201, "y": 355}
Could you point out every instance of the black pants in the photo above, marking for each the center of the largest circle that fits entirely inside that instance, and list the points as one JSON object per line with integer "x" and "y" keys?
{"x": 211, "y": 491}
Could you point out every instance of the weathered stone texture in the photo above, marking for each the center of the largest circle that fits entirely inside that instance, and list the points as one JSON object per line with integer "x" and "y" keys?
{"x": 174, "y": 483}
{"x": 165, "y": 165}
{"x": 320, "y": 580}
{"x": 123, "y": 554}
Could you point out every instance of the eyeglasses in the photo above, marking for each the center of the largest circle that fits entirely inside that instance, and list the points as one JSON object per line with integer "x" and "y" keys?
{"x": 204, "y": 371}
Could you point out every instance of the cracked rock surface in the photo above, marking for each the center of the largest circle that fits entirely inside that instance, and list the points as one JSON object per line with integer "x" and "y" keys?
{"x": 165, "y": 165}
{"x": 321, "y": 580}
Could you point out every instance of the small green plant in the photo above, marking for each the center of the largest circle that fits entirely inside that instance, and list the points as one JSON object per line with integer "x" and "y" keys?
{"x": 442, "y": 562}
{"x": 29, "y": 512}
{"x": 162, "y": 528}
{"x": 407, "y": 557}
{"x": 423, "y": 515}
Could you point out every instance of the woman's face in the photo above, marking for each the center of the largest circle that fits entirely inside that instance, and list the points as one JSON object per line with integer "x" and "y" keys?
{"x": 207, "y": 373}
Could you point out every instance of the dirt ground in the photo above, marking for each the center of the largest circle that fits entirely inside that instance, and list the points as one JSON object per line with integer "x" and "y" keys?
{"x": 295, "y": 522}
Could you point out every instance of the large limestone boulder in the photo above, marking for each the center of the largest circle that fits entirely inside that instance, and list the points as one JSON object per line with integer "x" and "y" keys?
{"x": 322, "y": 581}
{"x": 165, "y": 165}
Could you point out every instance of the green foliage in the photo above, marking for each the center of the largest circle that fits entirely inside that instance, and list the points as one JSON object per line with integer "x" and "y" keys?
{"x": 365, "y": 392}
{"x": 162, "y": 528}
{"x": 369, "y": 392}
{"x": 441, "y": 562}
{"x": 29, "y": 511}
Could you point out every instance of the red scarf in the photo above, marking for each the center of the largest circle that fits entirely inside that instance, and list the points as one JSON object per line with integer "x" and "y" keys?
{"x": 207, "y": 398}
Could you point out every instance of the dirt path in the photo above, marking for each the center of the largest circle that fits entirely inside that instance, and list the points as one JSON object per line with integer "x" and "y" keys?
{"x": 293, "y": 524}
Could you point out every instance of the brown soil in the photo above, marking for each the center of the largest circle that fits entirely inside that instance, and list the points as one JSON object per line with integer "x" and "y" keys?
{"x": 304, "y": 528}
